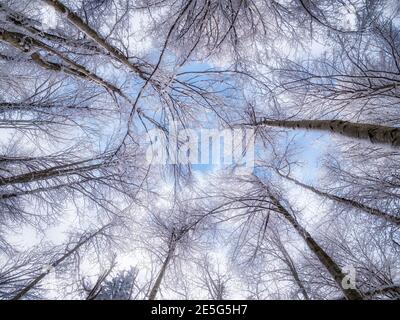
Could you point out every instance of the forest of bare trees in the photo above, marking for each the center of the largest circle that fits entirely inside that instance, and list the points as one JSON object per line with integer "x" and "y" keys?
{"x": 93, "y": 92}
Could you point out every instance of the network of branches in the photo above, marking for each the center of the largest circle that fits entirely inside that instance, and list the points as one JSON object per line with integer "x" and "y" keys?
{"x": 85, "y": 213}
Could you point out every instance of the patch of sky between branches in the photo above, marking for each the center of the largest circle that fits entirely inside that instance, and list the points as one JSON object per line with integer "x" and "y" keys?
{"x": 312, "y": 146}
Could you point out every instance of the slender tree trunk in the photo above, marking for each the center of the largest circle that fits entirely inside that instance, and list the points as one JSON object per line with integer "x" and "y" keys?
{"x": 28, "y": 24}
{"x": 92, "y": 295}
{"x": 288, "y": 260}
{"x": 393, "y": 289}
{"x": 26, "y": 43}
{"x": 54, "y": 264}
{"x": 323, "y": 257}
{"x": 298, "y": 281}
{"x": 85, "y": 28}
{"x": 49, "y": 173}
{"x": 372, "y": 132}
{"x": 157, "y": 283}
{"x": 11, "y": 195}
{"x": 352, "y": 203}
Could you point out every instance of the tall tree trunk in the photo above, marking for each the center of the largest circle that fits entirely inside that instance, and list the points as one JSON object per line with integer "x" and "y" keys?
{"x": 323, "y": 257}
{"x": 352, "y": 203}
{"x": 14, "y": 194}
{"x": 297, "y": 280}
{"x": 372, "y": 132}
{"x": 85, "y": 28}
{"x": 48, "y": 174}
{"x": 54, "y": 264}
{"x": 26, "y": 43}
{"x": 157, "y": 283}
{"x": 293, "y": 270}
{"x": 392, "y": 290}
{"x": 95, "y": 291}
{"x": 28, "y": 24}
{"x": 389, "y": 289}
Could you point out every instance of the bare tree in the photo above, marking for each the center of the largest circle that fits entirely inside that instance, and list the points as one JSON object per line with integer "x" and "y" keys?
{"x": 83, "y": 240}
{"x": 177, "y": 233}
{"x": 348, "y": 202}
{"x": 262, "y": 198}
{"x": 84, "y": 83}
{"x": 371, "y": 132}
{"x": 214, "y": 279}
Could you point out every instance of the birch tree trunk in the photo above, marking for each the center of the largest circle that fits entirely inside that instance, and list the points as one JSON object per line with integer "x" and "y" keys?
{"x": 48, "y": 174}
{"x": 289, "y": 262}
{"x": 352, "y": 203}
{"x": 372, "y": 132}
{"x": 323, "y": 257}
{"x": 85, "y": 28}
{"x": 54, "y": 264}
{"x": 157, "y": 283}
{"x": 94, "y": 292}
{"x": 394, "y": 289}
{"x": 26, "y": 43}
